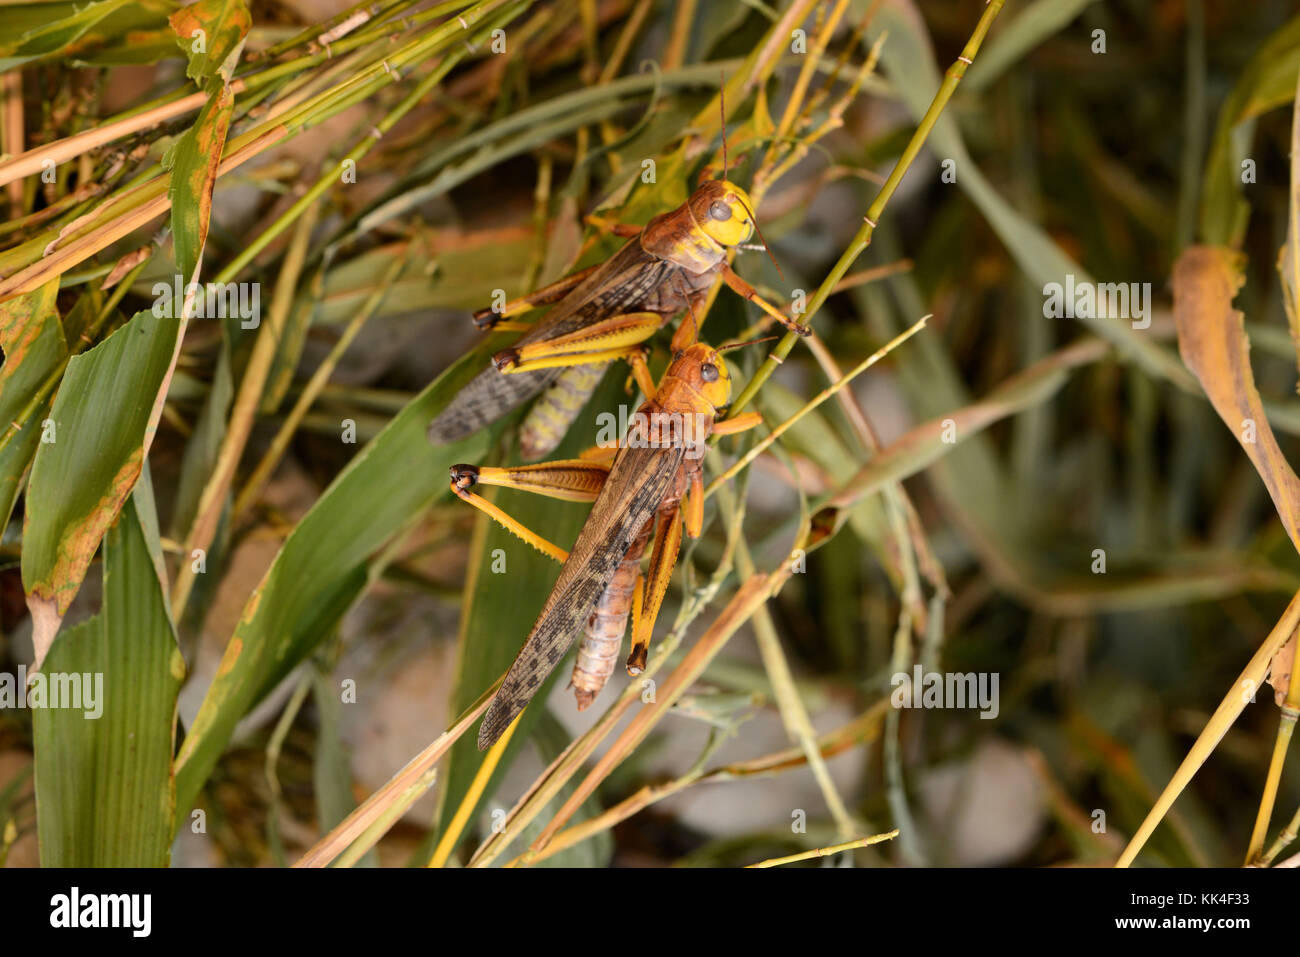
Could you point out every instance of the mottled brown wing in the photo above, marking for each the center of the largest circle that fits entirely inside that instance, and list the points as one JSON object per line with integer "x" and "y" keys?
{"x": 637, "y": 484}
{"x": 628, "y": 276}
{"x": 487, "y": 397}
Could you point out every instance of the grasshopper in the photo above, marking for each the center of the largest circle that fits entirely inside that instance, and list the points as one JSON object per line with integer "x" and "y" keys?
{"x": 604, "y": 313}
{"x": 654, "y": 482}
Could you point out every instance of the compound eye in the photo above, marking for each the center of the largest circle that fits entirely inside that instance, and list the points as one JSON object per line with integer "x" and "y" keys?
{"x": 719, "y": 210}
{"x": 709, "y": 372}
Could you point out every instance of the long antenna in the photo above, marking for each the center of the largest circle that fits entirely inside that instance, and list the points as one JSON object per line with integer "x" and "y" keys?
{"x": 748, "y": 342}
{"x": 722, "y": 106}
{"x": 766, "y": 248}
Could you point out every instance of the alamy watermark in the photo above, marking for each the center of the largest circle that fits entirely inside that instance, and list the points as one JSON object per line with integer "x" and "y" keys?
{"x": 212, "y": 300}
{"x": 74, "y": 909}
{"x": 1098, "y": 300}
{"x": 73, "y": 690}
{"x": 932, "y": 689}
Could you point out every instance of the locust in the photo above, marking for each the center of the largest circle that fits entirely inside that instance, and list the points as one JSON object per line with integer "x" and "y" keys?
{"x": 605, "y": 312}
{"x": 652, "y": 483}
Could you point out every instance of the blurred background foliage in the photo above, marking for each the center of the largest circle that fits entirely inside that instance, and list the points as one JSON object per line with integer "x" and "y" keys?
{"x": 342, "y": 612}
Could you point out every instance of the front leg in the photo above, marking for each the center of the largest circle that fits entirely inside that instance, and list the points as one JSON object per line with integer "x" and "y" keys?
{"x": 641, "y": 372}
{"x": 739, "y": 424}
{"x": 749, "y": 292}
{"x": 688, "y": 331}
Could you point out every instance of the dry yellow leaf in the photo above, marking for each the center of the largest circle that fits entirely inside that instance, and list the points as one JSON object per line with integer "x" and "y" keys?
{"x": 1212, "y": 340}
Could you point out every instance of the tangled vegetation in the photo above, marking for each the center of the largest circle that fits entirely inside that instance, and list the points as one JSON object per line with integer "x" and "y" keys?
{"x": 1031, "y": 239}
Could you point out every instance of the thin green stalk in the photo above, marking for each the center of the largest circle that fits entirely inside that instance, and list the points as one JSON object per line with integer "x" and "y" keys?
{"x": 862, "y": 239}
{"x": 793, "y": 714}
{"x": 762, "y": 446}
{"x": 1288, "y": 835}
{"x": 901, "y": 659}
{"x": 828, "y": 851}
{"x": 378, "y": 13}
{"x": 1229, "y": 709}
{"x": 1286, "y": 727}
{"x": 273, "y": 748}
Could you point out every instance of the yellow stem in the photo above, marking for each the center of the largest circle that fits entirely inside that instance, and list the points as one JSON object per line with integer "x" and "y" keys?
{"x": 827, "y": 851}
{"x": 490, "y": 761}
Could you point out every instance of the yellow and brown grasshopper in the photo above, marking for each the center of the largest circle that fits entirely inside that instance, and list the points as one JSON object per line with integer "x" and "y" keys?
{"x": 654, "y": 482}
{"x": 604, "y": 313}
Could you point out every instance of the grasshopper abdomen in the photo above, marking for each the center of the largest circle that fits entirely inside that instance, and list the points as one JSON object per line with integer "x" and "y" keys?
{"x": 556, "y": 408}
{"x": 605, "y": 627}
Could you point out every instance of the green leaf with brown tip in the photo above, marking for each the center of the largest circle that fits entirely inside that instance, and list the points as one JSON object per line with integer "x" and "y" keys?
{"x": 212, "y": 34}
{"x": 88, "y": 461}
{"x": 193, "y": 161}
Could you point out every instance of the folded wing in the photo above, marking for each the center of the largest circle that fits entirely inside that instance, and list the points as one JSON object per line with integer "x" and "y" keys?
{"x": 637, "y": 485}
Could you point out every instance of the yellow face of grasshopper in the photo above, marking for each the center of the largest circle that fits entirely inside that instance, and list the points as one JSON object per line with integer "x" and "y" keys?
{"x": 701, "y": 368}
{"x": 722, "y": 210}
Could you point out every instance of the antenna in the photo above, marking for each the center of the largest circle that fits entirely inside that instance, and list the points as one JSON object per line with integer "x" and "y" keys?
{"x": 768, "y": 249}
{"x": 722, "y": 107}
{"x": 748, "y": 342}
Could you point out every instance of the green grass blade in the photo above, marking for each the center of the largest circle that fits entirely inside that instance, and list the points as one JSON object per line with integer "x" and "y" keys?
{"x": 102, "y": 422}
{"x": 1267, "y": 82}
{"x": 104, "y": 789}
{"x": 193, "y": 162}
{"x": 222, "y": 25}
{"x": 49, "y": 29}
{"x": 32, "y": 339}
{"x": 331, "y": 765}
